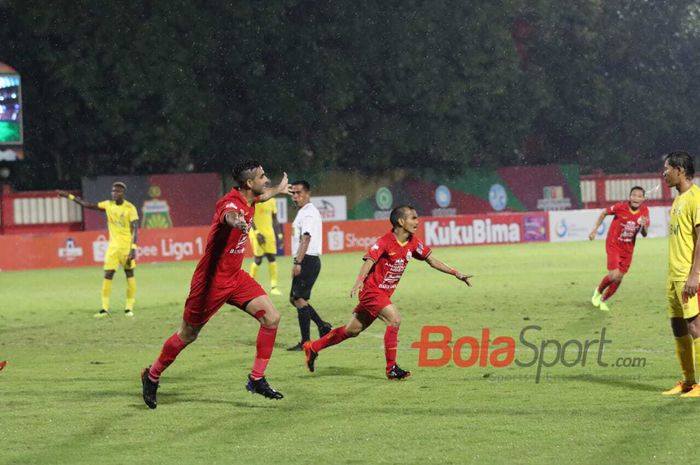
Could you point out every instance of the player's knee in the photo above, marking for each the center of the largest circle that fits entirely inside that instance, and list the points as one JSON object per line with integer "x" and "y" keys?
{"x": 129, "y": 273}
{"x": 352, "y": 332}
{"x": 268, "y": 317}
{"x": 109, "y": 274}
{"x": 271, "y": 258}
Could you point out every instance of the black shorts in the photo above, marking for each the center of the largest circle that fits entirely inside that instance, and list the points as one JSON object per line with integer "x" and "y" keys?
{"x": 302, "y": 284}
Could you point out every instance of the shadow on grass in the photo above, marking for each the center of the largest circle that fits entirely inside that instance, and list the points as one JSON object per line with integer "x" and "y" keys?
{"x": 616, "y": 382}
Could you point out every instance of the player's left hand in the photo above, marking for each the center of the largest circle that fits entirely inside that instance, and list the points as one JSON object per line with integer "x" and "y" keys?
{"x": 296, "y": 269}
{"x": 464, "y": 278}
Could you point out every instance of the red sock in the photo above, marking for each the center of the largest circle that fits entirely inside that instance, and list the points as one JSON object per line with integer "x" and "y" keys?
{"x": 611, "y": 290}
{"x": 336, "y": 336}
{"x": 172, "y": 347}
{"x": 604, "y": 283}
{"x": 264, "y": 345}
{"x": 391, "y": 342}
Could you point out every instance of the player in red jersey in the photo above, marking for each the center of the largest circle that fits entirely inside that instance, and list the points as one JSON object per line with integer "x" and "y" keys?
{"x": 219, "y": 279}
{"x": 629, "y": 218}
{"x": 384, "y": 264}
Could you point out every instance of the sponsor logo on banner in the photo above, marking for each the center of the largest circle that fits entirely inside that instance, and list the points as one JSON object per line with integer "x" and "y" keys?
{"x": 535, "y": 228}
{"x": 553, "y": 199}
{"x": 331, "y": 207}
{"x": 476, "y": 231}
{"x": 336, "y": 239}
{"x": 99, "y": 248}
{"x": 574, "y": 225}
{"x": 443, "y": 197}
{"x": 498, "y": 197}
{"x": 384, "y": 200}
{"x": 70, "y": 251}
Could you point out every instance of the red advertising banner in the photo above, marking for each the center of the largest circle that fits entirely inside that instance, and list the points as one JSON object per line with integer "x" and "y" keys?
{"x": 57, "y": 250}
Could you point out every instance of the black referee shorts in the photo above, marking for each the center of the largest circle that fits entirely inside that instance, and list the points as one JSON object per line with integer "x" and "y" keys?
{"x": 302, "y": 284}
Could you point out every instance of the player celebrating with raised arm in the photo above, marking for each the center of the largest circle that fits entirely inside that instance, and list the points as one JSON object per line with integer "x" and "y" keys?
{"x": 384, "y": 264}
{"x": 629, "y": 218}
{"x": 219, "y": 279}
{"x": 684, "y": 269}
{"x": 123, "y": 223}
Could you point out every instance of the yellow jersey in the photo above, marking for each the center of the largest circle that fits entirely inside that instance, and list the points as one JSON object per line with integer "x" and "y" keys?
{"x": 263, "y": 216}
{"x": 685, "y": 215}
{"x": 119, "y": 219}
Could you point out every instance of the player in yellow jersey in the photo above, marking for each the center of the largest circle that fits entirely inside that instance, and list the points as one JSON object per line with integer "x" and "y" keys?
{"x": 122, "y": 222}
{"x": 263, "y": 237}
{"x": 684, "y": 269}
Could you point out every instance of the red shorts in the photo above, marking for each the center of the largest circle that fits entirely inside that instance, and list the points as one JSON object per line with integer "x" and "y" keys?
{"x": 618, "y": 259}
{"x": 372, "y": 302}
{"x": 203, "y": 302}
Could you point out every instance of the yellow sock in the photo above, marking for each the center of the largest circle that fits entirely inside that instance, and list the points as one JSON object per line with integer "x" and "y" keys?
{"x": 273, "y": 274}
{"x": 106, "y": 293}
{"x": 253, "y": 270}
{"x": 686, "y": 357}
{"x": 130, "y": 293}
{"x": 696, "y": 346}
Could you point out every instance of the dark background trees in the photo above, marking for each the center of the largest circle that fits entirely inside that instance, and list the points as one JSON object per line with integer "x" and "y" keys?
{"x": 156, "y": 86}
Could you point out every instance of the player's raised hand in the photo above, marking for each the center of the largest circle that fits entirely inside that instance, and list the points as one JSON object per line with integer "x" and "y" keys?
{"x": 283, "y": 186}
{"x": 236, "y": 219}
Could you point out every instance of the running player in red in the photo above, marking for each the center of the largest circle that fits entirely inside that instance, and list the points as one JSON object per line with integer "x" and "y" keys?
{"x": 384, "y": 264}
{"x": 219, "y": 279}
{"x": 629, "y": 218}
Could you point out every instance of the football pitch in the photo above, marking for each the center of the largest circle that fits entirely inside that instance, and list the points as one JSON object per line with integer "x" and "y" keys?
{"x": 71, "y": 392}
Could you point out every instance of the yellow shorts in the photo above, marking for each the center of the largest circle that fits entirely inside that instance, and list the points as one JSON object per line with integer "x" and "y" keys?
{"x": 117, "y": 256}
{"x": 269, "y": 247}
{"x": 674, "y": 297}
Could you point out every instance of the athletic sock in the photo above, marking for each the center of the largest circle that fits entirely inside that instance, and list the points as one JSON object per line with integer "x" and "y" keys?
{"x": 696, "y": 353}
{"x": 391, "y": 343}
{"x": 172, "y": 347}
{"x": 604, "y": 283}
{"x": 264, "y": 346}
{"x": 253, "y": 270}
{"x": 314, "y": 316}
{"x": 304, "y": 323}
{"x": 106, "y": 293}
{"x": 686, "y": 357}
{"x": 273, "y": 274}
{"x": 611, "y": 289}
{"x": 130, "y": 293}
{"x": 336, "y": 336}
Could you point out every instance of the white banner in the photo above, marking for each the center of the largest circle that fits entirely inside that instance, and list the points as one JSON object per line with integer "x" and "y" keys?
{"x": 331, "y": 207}
{"x": 575, "y": 225}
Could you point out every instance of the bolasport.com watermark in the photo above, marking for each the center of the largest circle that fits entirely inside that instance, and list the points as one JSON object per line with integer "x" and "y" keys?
{"x": 437, "y": 348}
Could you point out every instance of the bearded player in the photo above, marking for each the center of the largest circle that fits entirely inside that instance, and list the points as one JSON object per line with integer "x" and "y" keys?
{"x": 219, "y": 279}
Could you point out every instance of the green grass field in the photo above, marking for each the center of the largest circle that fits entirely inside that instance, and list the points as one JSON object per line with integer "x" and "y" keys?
{"x": 71, "y": 392}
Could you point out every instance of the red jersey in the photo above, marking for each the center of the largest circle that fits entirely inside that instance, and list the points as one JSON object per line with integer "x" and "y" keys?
{"x": 625, "y": 226}
{"x": 225, "y": 248}
{"x": 390, "y": 260}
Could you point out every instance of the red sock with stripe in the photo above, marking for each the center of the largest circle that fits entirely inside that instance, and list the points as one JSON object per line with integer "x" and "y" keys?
{"x": 264, "y": 346}
{"x": 172, "y": 347}
{"x": 336, "y": 336}
{"x": 391, "y": 343}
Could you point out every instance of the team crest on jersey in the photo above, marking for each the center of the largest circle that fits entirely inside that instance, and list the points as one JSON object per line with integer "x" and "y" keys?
{"x": 375, "y": 247}
{"x": 231, "y": 205}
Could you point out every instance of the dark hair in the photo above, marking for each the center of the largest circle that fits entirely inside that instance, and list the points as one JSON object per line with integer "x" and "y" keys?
{"x": 244, "y": 170}
{"x": 119, "y": 184}
{"x": 638, "y": 188}
{"x": 398, "y": 213}
{"x": 302, "y": 183}
{"x": 681, "y": 160}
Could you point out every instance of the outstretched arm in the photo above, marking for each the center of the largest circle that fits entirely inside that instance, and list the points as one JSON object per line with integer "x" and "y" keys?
{"x": 598, "y": 222}
{"x": 440, "y": 266}
{"x": 78, "y": 200}
{"x": 281, "y": 188}
{"x": 364, "y": 271}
